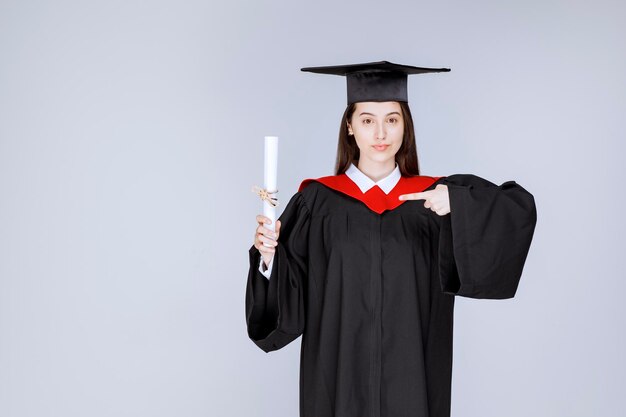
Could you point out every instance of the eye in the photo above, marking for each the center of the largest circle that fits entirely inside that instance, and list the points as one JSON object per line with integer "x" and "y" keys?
{"x": 393, "y": 120}
{"x": 367, "y": 121}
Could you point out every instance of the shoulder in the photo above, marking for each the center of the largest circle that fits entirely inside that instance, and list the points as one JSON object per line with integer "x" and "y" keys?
{"x": 468, "y": 180}
{"x": 328, "y": 180}
{"x": 423, "y": 178}
{"x": 317, "y": 190}
{"x": 422, "y": 182}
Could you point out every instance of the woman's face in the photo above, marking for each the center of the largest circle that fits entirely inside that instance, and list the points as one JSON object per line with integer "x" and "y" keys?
{"x": 378, "y": 129}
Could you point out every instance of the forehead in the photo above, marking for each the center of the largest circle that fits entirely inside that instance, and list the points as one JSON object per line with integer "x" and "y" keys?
{"x": 377, "y": 107}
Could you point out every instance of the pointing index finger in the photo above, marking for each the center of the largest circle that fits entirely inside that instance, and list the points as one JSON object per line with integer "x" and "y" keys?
{"x": 412, "y": 196}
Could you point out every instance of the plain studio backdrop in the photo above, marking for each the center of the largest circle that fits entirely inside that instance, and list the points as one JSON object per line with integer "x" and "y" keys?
{"x": 131, "y": 134}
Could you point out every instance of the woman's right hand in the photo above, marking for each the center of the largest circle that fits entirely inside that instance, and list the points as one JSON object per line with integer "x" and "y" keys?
{"x": 265, "y": 235}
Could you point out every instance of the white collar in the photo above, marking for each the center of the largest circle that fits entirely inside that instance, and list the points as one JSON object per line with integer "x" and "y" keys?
{"x": 365, "y": 183}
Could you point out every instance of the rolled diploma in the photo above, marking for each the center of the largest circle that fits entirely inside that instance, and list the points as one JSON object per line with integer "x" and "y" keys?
{"x": 269, "y": 178}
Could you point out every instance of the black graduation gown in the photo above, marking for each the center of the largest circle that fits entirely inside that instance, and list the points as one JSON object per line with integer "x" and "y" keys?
{"x": 370, "y": 282}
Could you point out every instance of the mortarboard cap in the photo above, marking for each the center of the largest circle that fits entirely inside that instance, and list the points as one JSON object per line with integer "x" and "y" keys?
{"x": 375, "y": 81}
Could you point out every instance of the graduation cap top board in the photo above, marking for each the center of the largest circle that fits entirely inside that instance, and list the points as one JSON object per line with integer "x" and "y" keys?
{"x": 375, "y": 81}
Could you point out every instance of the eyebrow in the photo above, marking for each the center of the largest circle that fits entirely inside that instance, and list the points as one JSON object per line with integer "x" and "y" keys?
{"x": 370, "y": 114}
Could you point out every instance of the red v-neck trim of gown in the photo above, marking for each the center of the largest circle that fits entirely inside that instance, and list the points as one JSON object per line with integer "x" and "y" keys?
{"x": 375, "y": 198}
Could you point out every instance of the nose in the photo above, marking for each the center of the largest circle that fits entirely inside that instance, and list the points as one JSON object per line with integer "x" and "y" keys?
{"x": 381, "y": 133}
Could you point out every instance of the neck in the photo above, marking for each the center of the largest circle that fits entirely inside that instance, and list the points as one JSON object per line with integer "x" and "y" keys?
{"x": 376, "y": 170}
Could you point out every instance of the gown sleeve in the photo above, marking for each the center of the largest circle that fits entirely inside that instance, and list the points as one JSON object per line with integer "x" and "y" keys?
{"x": 267, "y": 272}
{"x": 484, "y": 240}
{"x": 275, "y": 307}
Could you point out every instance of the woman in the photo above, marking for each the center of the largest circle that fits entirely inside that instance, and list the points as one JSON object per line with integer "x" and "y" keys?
{"x": 367, "y": 273}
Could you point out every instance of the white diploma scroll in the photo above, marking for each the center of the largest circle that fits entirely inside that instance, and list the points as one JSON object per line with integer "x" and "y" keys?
{"x": 269, "y": 179}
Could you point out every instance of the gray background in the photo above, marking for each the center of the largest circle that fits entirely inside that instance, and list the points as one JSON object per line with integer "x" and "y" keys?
{"x": 131, "y": 133}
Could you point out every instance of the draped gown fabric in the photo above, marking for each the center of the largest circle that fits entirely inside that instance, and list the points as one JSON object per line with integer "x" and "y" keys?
{"x": 372, "y": 294}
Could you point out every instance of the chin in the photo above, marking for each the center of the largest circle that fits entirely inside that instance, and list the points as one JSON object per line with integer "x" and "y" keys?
{"x": 383, "y": 158}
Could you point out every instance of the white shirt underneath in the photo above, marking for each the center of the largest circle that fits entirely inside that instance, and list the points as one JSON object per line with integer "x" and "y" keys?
{"x": 364, "y": 183}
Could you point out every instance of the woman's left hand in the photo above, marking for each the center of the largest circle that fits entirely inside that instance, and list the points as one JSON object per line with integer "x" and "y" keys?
{"x": 437, "y": 199}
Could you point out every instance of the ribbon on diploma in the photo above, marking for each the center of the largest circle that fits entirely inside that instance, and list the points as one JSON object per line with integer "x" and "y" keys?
{"x": 266, "y": 195}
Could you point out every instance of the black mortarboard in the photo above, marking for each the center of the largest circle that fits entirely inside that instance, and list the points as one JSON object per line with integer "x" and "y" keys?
{"x": 375, "y": 81}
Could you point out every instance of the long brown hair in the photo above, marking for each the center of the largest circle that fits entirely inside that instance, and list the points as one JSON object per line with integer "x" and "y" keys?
{"x": 406, "y": 157}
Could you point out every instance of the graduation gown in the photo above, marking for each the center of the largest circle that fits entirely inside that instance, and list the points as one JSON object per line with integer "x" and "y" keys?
{"x": 369, "y": 281}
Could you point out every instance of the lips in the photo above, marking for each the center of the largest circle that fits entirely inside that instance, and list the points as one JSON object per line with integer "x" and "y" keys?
{"x": 380, "y": 147}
